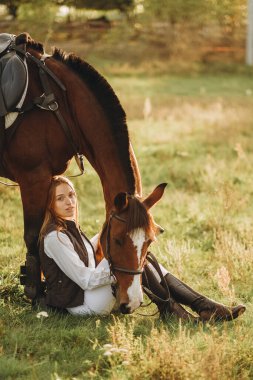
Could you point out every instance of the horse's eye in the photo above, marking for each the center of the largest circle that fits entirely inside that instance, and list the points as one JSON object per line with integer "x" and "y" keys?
{"x": 118, "y": 242}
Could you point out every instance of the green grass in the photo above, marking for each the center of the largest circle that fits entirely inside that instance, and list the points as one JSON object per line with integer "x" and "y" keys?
{"x": 198, "y": 138}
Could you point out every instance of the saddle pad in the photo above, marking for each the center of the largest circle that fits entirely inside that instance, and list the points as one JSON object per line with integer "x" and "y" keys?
{"x": 5, "y": 41}
{"x": 12, "y": 116}
{"x": 13, "y": 82}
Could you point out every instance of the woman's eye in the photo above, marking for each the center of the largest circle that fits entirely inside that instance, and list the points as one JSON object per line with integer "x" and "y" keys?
{"x": 118, "y": 242}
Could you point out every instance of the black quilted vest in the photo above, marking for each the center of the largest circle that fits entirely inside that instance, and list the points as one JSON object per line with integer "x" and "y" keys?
{"x": 61, "y": 291}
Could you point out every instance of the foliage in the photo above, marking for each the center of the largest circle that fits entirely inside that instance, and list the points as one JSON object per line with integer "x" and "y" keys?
{"x": 122, "y": 5}
{"x": 229, "y": 12}
{"x": 225, "y": 11}
{"x": 176, "y": 11}
{"x": 13, "y": 6}
{"x": 40, "y": 15}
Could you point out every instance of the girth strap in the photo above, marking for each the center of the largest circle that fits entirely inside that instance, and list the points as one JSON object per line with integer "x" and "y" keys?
{"x": 49, "y": 103}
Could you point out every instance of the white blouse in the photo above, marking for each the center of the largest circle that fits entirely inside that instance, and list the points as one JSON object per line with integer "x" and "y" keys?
{"x": 58, "y": 247}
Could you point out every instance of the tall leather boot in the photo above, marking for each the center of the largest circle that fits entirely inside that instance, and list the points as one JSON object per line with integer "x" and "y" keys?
{"x": 205, "y": 307}
{"x": 161, "y": 297}
{"x": 30, "y": 277}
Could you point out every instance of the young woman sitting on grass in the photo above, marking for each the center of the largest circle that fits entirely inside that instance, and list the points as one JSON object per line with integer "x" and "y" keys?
{"x": 76, "y": 284}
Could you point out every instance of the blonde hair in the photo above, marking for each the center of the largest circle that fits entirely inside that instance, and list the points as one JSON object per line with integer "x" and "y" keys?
{"x": 51, "y": 218}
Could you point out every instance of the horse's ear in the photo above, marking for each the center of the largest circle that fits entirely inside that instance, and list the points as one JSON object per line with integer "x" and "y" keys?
{"x": 23, "y": 38}
{"x": 121, "y": 201}
{"x": 155, "y": 196}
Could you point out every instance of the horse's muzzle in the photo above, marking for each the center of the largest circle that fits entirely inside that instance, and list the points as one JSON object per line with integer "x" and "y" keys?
{"x": 125, "y": 309}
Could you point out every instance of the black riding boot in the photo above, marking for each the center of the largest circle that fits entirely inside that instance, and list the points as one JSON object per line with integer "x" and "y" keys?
{"x": 30, "y": 277}
{"x": 162, "y": 298}
{"x": 205, "y": 307}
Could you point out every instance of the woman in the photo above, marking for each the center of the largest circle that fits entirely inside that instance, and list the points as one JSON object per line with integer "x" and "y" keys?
{"x": 76, "y": 284}
{"x": 68, "y": 257}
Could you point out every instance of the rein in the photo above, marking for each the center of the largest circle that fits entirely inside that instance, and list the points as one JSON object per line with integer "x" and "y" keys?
{"x": 8, "y": 184}
{"x": 114, "y": 268}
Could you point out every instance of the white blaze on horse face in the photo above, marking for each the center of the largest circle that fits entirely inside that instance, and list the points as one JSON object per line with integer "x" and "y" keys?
{"x": 134, "y": 292}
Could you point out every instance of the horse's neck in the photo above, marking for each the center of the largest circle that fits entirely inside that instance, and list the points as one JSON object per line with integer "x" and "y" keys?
{"x": 114, "y": 180}
{"x": 113, "y": 159}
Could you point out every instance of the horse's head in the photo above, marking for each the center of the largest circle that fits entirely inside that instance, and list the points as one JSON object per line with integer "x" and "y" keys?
{"x": 125, "y": 239}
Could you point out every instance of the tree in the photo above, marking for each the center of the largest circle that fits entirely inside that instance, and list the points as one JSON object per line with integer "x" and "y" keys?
{"x": 12, "y": 6}
{"x": 225, "y": 12}
{"x": 176, "y": 11}
{"x": 122, "y": 5}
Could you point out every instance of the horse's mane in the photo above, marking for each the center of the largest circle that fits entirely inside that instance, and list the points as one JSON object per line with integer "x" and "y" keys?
{"x": 108, "y": 101}
{"x": 138, "y": 216}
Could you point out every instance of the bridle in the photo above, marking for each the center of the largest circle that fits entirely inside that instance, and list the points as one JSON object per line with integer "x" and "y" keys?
{"x": 149, "y": 257}
{"x": 114, "y": 268}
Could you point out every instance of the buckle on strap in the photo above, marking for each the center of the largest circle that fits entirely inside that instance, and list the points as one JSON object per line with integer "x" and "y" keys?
{"x": 47, "y": 102}
{"x": 53, "y": 106}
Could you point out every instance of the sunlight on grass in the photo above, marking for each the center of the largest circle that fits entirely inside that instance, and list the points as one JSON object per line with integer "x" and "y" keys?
{"x": 180, "y": 355}
{"x": 197, "y": 137}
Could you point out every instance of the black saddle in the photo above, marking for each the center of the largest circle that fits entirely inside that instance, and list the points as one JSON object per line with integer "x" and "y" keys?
{"x": 13, "y": 75}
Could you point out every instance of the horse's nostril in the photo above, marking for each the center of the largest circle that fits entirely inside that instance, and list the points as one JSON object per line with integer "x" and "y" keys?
{"x": 124, "y": 308}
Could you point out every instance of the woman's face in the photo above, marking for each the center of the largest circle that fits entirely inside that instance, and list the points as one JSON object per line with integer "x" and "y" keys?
{"x": 65, "y": 202}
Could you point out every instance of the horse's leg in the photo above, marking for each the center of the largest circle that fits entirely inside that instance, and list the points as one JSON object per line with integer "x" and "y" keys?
{"x": 34, "y": 189}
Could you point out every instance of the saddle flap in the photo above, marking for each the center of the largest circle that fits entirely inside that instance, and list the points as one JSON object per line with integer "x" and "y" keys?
{"x": 5, "y": 40}
{"x": 13, "y": 81}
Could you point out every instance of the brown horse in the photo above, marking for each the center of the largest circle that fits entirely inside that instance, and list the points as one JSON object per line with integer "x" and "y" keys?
{"x": 39, "y": 149}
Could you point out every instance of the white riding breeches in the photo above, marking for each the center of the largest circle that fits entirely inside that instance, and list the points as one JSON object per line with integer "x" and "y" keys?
{"x": 100, "y": 300}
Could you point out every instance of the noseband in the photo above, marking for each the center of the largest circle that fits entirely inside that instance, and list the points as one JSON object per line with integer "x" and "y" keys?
{"x": 114, "y": 268}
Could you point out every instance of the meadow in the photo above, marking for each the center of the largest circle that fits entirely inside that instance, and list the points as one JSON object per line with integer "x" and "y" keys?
{"x": 196, "y": 134}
